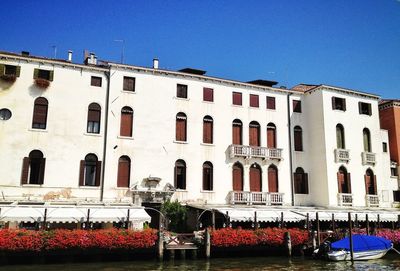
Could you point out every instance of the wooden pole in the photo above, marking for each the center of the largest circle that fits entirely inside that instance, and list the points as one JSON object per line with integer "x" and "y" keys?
{"x": 159, "y": 222}
{"x": 213, "y": 219}
{"x": 308, "y": 222}
{"x": 398, "y": 221}
{"x": 44, "y": 219}
{"x": 228, "y": 220}
{"x": 367, "y": 221}
{"x": 208, "y": 243}
{"x": 160, "y": 246}
{"x": 333, "y": 223}
{"x": 281, "y": 219}
{"x": 198, "y": 220}
{"x": 356, "y": 221}
{"x": 255, "y": 220}
{"x": 318, "y": 230}
{"x": 379, "y": 221}
{"x": 351, "y": 238}
{"x": 288, "y": 243}
{"x": 127, "y": 219}
{"x": 88, "y": 219}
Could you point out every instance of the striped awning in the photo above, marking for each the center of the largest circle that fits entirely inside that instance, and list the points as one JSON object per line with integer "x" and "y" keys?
{"x": 263, "y": 215}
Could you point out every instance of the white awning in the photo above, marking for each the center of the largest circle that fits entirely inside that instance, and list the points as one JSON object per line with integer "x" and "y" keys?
{"x": 22, "y": 214}
{"x": 66, "y": 214}
{"x": 326, "y": 215}
{"x": 263, "y": 215}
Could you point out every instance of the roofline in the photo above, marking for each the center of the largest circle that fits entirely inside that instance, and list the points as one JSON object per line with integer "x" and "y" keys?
{"x": 321, "y": 87}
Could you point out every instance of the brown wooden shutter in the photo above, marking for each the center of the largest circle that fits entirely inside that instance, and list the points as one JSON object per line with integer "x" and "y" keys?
{"x": 344, "y": 104}
{"x": 123, "y": 173}
{"x": 359, "y": 107}
{"x": 2, "y": 69}
{"x": 129, "y": 83}
{"x": 126, "y": 123}
{"x": 207, "y": 131}
{"x": 237, "y": 176}
{"x": 208, "y": 94}
{"x": 51, "y": 76}
{"x": 305, "y": 180}
{"x": 35, "y": 73}
{"x": 82, "y": 173}
{"x": 94, "y": 115}
{"x": 297, "y": 106}
{"x": 375, "y": 187}
{"x": 271, "y": 137}
{"x": 272, "y": 180}
{"x": 98, "y": 173}
{"x": 236, "y": 134}
{"x": 298, "y": 140}
{"x": 340, "y": 181}
{"x": 255, "y": 179}
{"x": 369, "y": 110}
{"x": 348, "y": 183}
{"x": 366, "y": 182}
{"x": 237, "y": 98}
{"x": 254, "y": 100}
{"x": 181, "y": 129}
{"x": 254, "y": 138}
{"x": 42, "y": 170}
{"x": 25, "y": 170}
{"x": 40, "y": 114}
{"x": 17, "y": 71}
{"x": 270, "y": 102}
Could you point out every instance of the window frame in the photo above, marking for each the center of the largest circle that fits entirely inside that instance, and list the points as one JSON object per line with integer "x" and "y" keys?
{"x": 254, "y": 100}
{"x": 208, "y": 130}
{"x": 96, "y": 81}
{"x": 40, "y": 113}
{"x": 338, "y": 103}
{"x": 208, "y": 95}
{"x": 364, "y": 108}
{"x": 181, "y": 91}
{"x": 237, "y": 98}
{"x": 296, "y": 106}
{"x": 270, "y": 103}
{"x": 126, "y": 87}
{"x": 93, "y": 126}
{"x": 298, "y": 140}
{"x": 181, "y": 127}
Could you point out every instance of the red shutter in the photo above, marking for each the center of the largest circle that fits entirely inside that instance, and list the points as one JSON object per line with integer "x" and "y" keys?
{"x": 305, "y": 183}
{"x": 340, "y": 179}
{"x": 40, "y": 114}
{"x": 208, "y": 94}
{"x": 41, "y": 170}
{"x": 272, "y": 180}
{"x": 129, "y": 84}
{"x": 126, "y": 124}
{"x": 237, "y": 176}
{"x": 270, "y": 102}
{"x": 237, "y": 134}
{"x": 271, "y": 137}
{"x": 98, "y": 173}
{"x": 237, "y": 98}
{"x": 94, "y": 115}
{"x": 25, "y": 170}
{"x": 82, "y": 173}
{"x": 297, "y": 106}
{"x": 367, "y": 181}
{"x": 255, "y": 179}
{"x": 254, "y": 100}
{"x": 348, "y": 183}
{"x": 254, "y": 138}
{"x": 207, "y": 132}
{"x": 375, "y": 187}
{"x": 298, "y": 140}
{"x": 181, "y": 130}
{"x": 123, "y": 173}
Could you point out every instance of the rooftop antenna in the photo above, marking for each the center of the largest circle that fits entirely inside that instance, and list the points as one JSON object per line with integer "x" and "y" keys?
{"x": 55, "y": 50}
{"x": 122, "y": 49}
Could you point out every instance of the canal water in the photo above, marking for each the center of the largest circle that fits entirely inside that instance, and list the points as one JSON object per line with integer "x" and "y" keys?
{"x": 390, "y": 262}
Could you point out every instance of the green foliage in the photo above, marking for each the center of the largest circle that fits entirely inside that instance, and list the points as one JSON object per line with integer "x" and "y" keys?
{"x": 176, "y": 214}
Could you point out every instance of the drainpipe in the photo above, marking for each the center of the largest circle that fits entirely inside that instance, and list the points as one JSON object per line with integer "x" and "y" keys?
{"x": 290, "y": 148}
{"x": 108, "y": 77}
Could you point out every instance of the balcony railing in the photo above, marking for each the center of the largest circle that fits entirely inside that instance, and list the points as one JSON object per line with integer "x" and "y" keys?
{"x": 256, "y": 198}
{"x": 372, "y": 200}
{"x": 345, "y": 199}
{"x": 342, "y": 156}
{"x": 254, "y": 151}
{"x": 368, "y": 158}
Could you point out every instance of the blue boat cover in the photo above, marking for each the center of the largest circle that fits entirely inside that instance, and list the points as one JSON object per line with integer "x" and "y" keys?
{"x": 362, "y": 243}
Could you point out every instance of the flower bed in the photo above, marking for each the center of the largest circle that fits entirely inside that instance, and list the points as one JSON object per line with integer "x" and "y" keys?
{"x": 392, "y": 235}
{"x": 42, "y": 83}
{"x": 27, "y": 240}
{"x": 229, "y": 237}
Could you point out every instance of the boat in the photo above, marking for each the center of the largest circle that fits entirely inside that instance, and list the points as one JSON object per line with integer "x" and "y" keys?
{"x": 365, "y": 247}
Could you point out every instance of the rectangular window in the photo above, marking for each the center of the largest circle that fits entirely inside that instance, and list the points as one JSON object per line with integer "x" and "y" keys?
{"x": 43, "y": 74}
{"x": 237, "y": 98}
{"x": 338, "y": 104}
{"x": 254, "y": 100}
{"x": 208, "y": 94}
{"x": 129, "y": 84}
{"x": 297, "y": 106}
{"x": 7, "y": 71}
{"x": 181, "y": 91}
{"x": 384, "y": 146}
{"x": 300, "y": 183}
{"x": 270, "y": 102}
{"x": 95, "y": 81}
{"x": 396, "y": 195}
{"x": 365, "y": 108}
{"x": 393, "y": 171}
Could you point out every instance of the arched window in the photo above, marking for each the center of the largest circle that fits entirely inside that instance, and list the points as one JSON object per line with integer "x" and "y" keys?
{"x": 208, "y": 130}
{"x": 300, "y": 181}
{"x": 370, "y": 182}
{"x": 39, "y": 119}
{"x": 254, "y": 134}
{"x": 180, "y": 174}
{"x": 207, "y": 176}
{"x": 33, "y": 168}
{"x": 367, "y": 140}
{"x": 273, "y": 184}
{"x": 93, "y": 120}
{"x": 126, "y": 121}
{"x": 271, "y": 135}
{"x": 181, "y": 127}
{"x": 255, "y": 178}
{"x": 124, "y": 171}
{"x": 298, "y": 138}
{"x": 90, "y": 171}
{"x": 237, "y": 177}
{"x": 340, "y": 143}
{"x": 344, "y": 182}
{"x": 237, "y": 132}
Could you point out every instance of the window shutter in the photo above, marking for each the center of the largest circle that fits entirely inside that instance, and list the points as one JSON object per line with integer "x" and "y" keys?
{"x": 82, "y": 173}
{"x": 270, "y": 102}
{"x": 181, "y": 129}
{"x": 42, "y": 169}
{"x": 305, "y": 180}
{"x": 40, "y": 114}
{"x": 25, "y": 170}
{"x": 98, "y": 173}
{"x": 51, "y": 75}
{"x": 35, "y": 73}
{"x": 126, "y": 124}
{"x": 253, "y": 136}
{"x": 254, "y": 100}
{"x": 333, "y": 103}
{"x": 123, "y": 173}
{"x": 271, "y": 137}
{"x": 349, "y": 182}
{"x": 207, "y": 132}
{"x": 375, "y": 187}
{"x": 237, "y": 98}
{"x": 369, "y": 110}
{"x": 366, "y": 182}
{"x": 236, "y": 134}
{"x": 339, "y": 177}
{"x": 298, "y": 140}
{"x": 2, "y": 69}
{"x": 344, "y": 104}
{"x": 359, "y": 108}
{"x": 208, "y": 94}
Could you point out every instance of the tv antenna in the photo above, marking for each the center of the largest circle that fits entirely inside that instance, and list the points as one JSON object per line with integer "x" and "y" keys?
{"x": 122, "y": 49}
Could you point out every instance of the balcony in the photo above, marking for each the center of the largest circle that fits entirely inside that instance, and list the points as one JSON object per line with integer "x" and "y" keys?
{"x": 345, "y": 199}
{"x": 372, "y": 200}
{"x": 256, "y": 198}
{"x": 254, "y": 152}
{"x": 342, "y": 156}
{"x": 368, "y": 158}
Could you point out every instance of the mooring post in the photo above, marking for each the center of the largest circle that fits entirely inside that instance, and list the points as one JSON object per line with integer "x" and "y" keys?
{"x": 228, "y": 220}
{"x": 88, "y": 219}
{"x": 160, "y": 251}
{"x": 281, "y": 220}
{"x": 183, "y": 254}
{"x": 127, "y": 219}
{"x": 197, "y": 221}
{"x": 255, "y": 220}
{"x": 213, "y": 219}
{"x": 207, "y": 243}
{"x": 314, "y": 240}
{"x": 194, "y": 254}
{"x": 367, "y": 222}
{"x": 398, "y": 221}
{"x": 318, "y": 230}
{"x": 351, "y": 237}
{"x": 44, "y": 219}
{"x": 379, "y": 221}
{"x": 333, "y": 223}
{"x": 288, "y": 244}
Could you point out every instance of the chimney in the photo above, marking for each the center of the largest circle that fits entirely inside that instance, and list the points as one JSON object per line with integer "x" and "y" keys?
{"x": 25, "y": 53}
{"x": 85, "y": 56}
{"x": 155, "y": 63}
{"x": 95, "y": 60}
{"x": 69, "y": 56}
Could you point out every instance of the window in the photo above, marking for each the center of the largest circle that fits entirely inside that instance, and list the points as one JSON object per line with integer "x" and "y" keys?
{"x": 237, "y": 177}
{"x": 254, "y": 100}
{"x": 7, "y": 71}
{"x": 300, "y": 181}
{"x": 124, "y": 171}
{"x": 364, "y": 108}
{"x": 95, "y": 81}
{"x": 396, "y": 195}
{"x": 93, "y": 120}
{"x": 344, "y": 183}
{"x": 237, "y": 98}
{"x": 297, "y": 106}
{"x": 340, "y": 143}
{"x": 338, "y": 103}
{"x": 393, "y": 171}
{"x": 129, "y": 84}
{"x": 384, "y": 144}
{"x": 5, "y": 114}
{"x": 367, "y": 140}
{"x": 237, "y": 132}
{"x": 126, "y": 121}
{"x": 180, "y": 174}
{"x": 254, "y": 133}
{"x": 90, "y": 171}
{"x": 255, "y": 178}
{"x": 270, "y": 102}
{"x": 208, "y": 130}
{"x": 33, "y": 168}
{"x": 181, "y": 91}
{"x": 271, "y": 135}
{"x": 370, "y": 182}
{"x": 207, "y": 176}
{"x": 180, "y": 134}
{"x": 39, "y": 119}
{"x": 298, "y": 138}
{"x": 273, "y": 183}
{"x": 208, "y": 94}
{"x": 43, "y": 74}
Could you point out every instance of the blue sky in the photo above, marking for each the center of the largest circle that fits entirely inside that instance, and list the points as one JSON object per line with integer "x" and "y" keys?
{"x": 353, "y": 44}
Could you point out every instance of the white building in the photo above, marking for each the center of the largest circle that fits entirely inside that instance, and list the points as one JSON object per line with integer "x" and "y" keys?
{"x": 118, "y": 133}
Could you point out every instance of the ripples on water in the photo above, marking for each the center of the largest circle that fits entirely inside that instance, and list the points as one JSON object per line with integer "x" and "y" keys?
{"x": 389, "y": 263}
